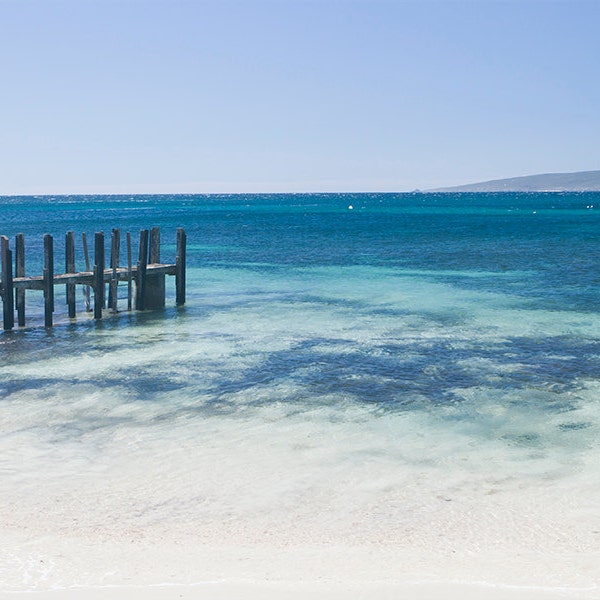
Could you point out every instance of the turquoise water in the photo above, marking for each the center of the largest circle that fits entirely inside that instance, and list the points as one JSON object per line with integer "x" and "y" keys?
{"x": 468, "y": 264}
{"x": 361, "y": 354}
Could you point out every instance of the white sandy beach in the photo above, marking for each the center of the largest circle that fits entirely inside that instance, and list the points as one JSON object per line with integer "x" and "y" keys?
{"x": 215, "y": 572}
{"x": 302, "y": 591}
{"x": 444, "y": 553}
{"x": 263, "y": 507}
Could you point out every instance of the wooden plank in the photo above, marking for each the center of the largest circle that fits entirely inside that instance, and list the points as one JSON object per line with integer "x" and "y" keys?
{"x": 20, "y": 272}
{"x": 162, "y": 269}
{"x": 29, "y": 283}
{"x": 48, "y": 279}
{"x": 142, "y": 265}
{"x": 37, "y": 282}
{"x": 115, "y": 248}
{"x": 70, "y": 268}
{"x": 87, "y": 288}
{"x": 99, "y": 291}
{"x": 180, "y": 260}
{"x": 87, "y": 277}
{"x": 8, "y": 306}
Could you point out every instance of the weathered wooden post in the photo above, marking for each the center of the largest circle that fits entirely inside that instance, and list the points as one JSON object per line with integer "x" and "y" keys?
{"x": 115, "y": 248}
{"x": 180, "y": 259}
{"x": 70, "y": 268}
{"x": 8, "y": 306}
{"x": 129, "y": 272}
{"x": 155, "y": 284}
{"x": 140, "y": 278}
{"x": 86, "y": 288}
{"x": 48, "y": 279}
{"x": 20, "y": 272}
{"x": 99, "y": 291}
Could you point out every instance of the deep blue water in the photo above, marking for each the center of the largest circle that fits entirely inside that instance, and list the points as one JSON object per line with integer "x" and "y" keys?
{"x": 549, "y": 242}
{"x": 554, "y": 242}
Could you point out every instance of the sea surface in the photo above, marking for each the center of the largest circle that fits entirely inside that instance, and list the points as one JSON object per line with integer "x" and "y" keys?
{"x": 410, "y": 372}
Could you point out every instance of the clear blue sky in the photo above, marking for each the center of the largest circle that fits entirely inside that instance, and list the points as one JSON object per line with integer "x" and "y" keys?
{"x": 103, "y": 96}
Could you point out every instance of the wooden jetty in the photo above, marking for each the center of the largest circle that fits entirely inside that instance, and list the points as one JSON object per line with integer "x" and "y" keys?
{"x": 147, "y": 276}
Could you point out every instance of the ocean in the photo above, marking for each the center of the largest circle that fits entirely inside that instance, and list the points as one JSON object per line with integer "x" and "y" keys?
{"x": 412, "y": 380}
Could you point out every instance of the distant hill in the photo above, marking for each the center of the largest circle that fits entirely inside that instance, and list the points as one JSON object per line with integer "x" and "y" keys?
{"x": 583, "y": 181}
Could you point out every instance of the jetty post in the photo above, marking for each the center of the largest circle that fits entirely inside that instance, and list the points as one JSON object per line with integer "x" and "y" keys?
{"x": 155, "y": 283}
{"x": 129, "y": 273}
{"x": 87, "y": 288}
{"x": 20, "y": 272}
{"x": 48, "y": 279}
{"x": 99, "y": 291}
{"x": 142, "y": 265}
{"x": 180, "y": 260}
{"x": 8, "y": 303}
{"x": 70, "y": 268}
{"x": 115, "y": 249}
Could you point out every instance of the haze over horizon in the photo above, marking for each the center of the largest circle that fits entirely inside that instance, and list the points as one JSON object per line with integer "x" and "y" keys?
{"x": 157, "y": 96}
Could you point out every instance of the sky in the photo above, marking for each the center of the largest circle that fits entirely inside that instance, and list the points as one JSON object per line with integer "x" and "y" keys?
{"x": 219, "y": 96}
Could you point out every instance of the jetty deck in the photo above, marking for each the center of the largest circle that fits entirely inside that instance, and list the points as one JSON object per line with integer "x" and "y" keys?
{"x": 145, "y": 279}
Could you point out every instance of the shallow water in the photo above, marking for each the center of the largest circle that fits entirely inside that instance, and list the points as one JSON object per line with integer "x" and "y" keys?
{"x": 417, "y": 372}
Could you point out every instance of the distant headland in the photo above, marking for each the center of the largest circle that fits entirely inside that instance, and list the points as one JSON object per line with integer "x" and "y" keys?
{"x": 582, "y": 181}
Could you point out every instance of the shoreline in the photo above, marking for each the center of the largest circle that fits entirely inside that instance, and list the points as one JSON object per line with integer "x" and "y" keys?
{"x": 253, "y": 590}
{"x": 54, "y": 568}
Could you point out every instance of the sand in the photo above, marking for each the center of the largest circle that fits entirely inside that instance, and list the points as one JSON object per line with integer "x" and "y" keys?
{"x": 68, "y": 568}
{"x": 303, "y": 591}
